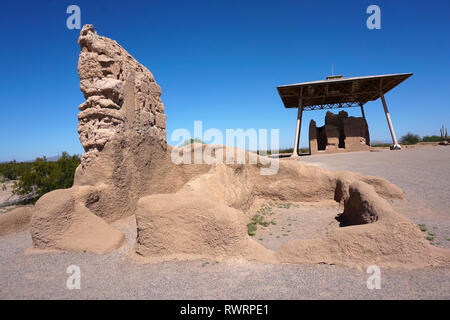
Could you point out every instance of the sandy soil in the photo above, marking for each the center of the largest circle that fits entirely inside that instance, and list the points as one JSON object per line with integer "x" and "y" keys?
{"x": 422, "y": 173}
{"x": 299, "y": 221}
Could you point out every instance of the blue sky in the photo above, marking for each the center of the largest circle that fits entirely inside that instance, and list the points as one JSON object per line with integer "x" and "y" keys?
{"x": 220, "y": 62}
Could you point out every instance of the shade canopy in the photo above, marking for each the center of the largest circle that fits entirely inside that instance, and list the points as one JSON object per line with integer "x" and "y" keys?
{"x": 338, "y": 92}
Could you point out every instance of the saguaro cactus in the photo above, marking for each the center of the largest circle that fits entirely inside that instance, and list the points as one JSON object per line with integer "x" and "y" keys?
{"x": 444, "y": 135}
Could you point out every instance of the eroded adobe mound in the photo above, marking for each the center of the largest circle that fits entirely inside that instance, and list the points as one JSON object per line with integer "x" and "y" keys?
{"x": 190, "y": 211}
{"x": 375, "y": 234}
{"x": 61, "y": 221}
{"x": 188, "y": 226}
{"x": 16, "y": 220}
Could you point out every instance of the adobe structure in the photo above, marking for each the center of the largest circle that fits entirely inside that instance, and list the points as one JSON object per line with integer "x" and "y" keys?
{"x": 191, "y": 211}
{"x": 334, "y": 93}
{"x": 340, "y": 133}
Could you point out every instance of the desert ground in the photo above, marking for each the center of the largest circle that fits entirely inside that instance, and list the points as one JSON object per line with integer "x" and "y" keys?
{"x": 422, "y": 173}
{"x": 6, "y": 196}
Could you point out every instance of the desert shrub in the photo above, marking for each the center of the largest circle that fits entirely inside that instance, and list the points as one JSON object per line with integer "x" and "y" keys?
{"x": 251, "y": 229}
{"x": 44, "y": 176}
{"x": 410, "y": 138}
{"x": 381, "y": 145}
{"x": 433, "y": 138}
{"x": 260, "y": 218}
{"x": 286, "y": 150}
{"x": 282, "y": 150}
{"x": 430, "y": 236}
{"x": 12, "y": 170}
{"x": 423, "y": 227}
{"x": 190, "y": 141}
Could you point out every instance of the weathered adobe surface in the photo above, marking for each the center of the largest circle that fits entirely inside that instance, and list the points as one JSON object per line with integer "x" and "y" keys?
{"x": 121, "y": 95}
{"x": 16, "y": 220}
{"x": 122, "y": 129}
{"x": 385, "y": 238}
{"x": 194, "y": 222}
{"x": 199, "y": 210}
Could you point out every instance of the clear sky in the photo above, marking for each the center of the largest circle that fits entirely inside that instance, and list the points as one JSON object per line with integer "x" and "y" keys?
{"x": 220, "y": 62}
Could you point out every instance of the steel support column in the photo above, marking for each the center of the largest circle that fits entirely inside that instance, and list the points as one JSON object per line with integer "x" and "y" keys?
{"x": 298, "y": 128}
{"x": 396, "y": 146}
{"x": 362, "y": 111}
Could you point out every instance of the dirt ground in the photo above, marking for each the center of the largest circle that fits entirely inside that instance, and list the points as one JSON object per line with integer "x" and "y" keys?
{"x": 422, "y": 173}
{"x": 297, "y": 221}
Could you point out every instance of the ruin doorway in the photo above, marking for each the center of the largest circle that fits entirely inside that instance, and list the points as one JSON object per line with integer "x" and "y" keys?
{"x": 340, "y": 133}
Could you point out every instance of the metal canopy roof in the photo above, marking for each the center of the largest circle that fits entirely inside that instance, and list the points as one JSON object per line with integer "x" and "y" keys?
{"x": 339, "y": 92}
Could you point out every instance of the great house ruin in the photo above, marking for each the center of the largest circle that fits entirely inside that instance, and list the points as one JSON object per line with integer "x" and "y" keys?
{"x": 340, "y": 132}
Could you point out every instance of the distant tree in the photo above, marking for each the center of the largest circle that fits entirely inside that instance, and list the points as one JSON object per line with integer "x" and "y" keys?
{"x": 410, "y": 138}
{"x": 63, "y": 171}
{"x": 432, "y": 138}
{"x": 44, "y": 176}
{"x": 12, "y": 170}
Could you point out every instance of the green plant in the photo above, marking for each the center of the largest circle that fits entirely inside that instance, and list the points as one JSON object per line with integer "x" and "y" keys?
{"x": 13, "y": 170}
{"x": 265, "y": 210}
{"x": 410, "y": 138}
{"x": 281, "y": 151}
{"x": 251, "y": 228}
{"x": 44, "y": 176}
{"x": 259, "y": 218}
{"x": 190, "y": 141}
{"x": 381, "y": 145}
{"x": 423, "y": 227}
{"x": 431, "y": 138}
{"x": 430, "y": 236}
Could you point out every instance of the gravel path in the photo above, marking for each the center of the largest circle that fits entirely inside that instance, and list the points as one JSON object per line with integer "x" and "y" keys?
{"x": 111, "y": 276}
{"x": 423, "y": 174}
